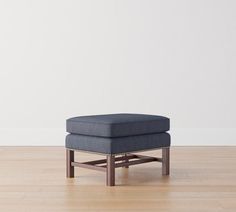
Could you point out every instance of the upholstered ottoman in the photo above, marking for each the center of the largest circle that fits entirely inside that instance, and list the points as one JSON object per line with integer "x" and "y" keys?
{"x": 117, "y": 134}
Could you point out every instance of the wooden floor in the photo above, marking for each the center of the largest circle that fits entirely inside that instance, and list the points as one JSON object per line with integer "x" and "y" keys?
{"x": 202, "y": 179}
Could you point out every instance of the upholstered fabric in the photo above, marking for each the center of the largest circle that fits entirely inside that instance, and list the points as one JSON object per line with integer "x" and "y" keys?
{"x": 117, "y": 145}
{"x": 117, "y": 125}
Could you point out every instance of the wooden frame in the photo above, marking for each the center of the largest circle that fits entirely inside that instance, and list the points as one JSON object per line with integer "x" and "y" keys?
{"x": 69, "y": 161}
{"x": 111, "y": 162}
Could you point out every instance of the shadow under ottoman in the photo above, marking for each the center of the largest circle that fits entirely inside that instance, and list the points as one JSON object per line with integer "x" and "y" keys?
{"x": 114, "y": 135}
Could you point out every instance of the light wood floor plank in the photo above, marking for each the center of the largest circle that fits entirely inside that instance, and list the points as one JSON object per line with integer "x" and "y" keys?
{"x": 202, "y": 179}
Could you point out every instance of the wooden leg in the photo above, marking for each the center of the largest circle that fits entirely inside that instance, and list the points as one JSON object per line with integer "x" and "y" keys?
{"x": 165, "y": 161}
{"x": 110, "y": 170}
{"x": 69, "y": 159}
{"x": 126, "y": 160}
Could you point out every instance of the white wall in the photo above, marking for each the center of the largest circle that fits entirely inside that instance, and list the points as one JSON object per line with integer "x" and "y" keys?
{"x": 63, "y": 58}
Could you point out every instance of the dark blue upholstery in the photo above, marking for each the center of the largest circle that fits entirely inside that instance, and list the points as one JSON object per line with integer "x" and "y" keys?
{"x": 117, "y": 145}
{"x": 117, "y": 125}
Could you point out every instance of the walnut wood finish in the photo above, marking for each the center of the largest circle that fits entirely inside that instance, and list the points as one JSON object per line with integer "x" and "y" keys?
{"x": 109, "y": 164}
{"x": 69, "y": 159}
{"x": 165, "y": 161}
{"x": 88, "y": 166}
{"x": 126, "y": 160}
{"x": 135, "y": 162}
{"x": 110, "y": 170}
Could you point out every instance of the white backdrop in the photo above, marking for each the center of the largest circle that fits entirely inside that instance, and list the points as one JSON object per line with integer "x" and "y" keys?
{"x": 63, "y": 58}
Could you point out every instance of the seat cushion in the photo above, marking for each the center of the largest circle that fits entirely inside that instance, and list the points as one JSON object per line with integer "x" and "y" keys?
{"x": 119, "y": 144}
{"x": 117, "y": 125}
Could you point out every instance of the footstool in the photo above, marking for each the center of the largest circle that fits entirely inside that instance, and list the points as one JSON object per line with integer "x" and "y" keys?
{"x": 117, "y": 136}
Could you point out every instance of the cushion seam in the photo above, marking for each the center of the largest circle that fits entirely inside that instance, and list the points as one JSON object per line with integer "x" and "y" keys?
{"x": 120, "y": 123}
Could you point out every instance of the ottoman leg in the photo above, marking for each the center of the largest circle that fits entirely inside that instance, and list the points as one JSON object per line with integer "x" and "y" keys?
{"x": 69, "y": 159}
{"x": 165, "y": 161}
{"x": 126, "y": 160}
{"x": 110, "y": 170}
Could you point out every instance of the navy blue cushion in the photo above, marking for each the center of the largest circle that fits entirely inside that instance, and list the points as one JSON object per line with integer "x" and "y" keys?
{"x": 117, "y": 125}
{"x": 117, "y": 145}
